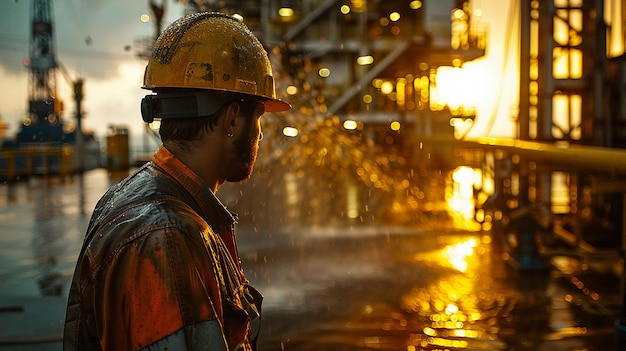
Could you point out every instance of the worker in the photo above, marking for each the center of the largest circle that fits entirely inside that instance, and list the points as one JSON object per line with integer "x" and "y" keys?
{"x": 159, "y": 267}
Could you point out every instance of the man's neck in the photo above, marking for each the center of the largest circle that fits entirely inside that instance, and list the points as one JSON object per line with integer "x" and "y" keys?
{"x": 202, "y": 162}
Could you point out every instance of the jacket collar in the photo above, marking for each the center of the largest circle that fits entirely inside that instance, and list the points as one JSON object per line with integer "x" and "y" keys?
{"x": 212, "y": 209}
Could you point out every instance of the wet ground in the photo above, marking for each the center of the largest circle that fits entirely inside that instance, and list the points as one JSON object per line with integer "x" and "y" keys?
{"x": 342, "y": 266}
{"x": 391, "y": 289}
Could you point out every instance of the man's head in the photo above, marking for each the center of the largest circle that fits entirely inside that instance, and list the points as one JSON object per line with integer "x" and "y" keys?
{"x": 211, "y": 77}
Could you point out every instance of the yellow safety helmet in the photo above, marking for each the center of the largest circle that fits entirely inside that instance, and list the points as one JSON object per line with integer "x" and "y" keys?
{"x": 201, "y": 54}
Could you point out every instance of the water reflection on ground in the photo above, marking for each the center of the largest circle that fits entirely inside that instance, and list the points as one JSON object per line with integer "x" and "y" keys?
{"x": 343, "y": 265}
{"x": 390, "y": 289}
{"x": 42, "y": 223}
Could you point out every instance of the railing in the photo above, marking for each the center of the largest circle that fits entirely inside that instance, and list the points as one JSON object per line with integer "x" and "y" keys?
{"x": 47, "y": 160}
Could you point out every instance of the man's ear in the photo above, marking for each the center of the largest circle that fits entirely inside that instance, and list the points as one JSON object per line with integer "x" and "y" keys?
{"x": 230, "y": 114}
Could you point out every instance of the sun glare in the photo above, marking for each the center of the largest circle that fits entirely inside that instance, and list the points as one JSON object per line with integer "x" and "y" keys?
{"x": 463, "y": 87}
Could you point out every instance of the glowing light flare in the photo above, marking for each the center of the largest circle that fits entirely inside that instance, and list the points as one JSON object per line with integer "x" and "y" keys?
{"x": 285, "y": 12}
{"x": 324, "y": 72}
{"x": 462, "y": 344}
{"x": 458, "y": 87}
{"x": 290, "y": 132}
{"x": 415, "y": 5}
{"x": 460, "y": 198}
{"x": 386, "y": 87}
{"x": 457, "y": 255}
{"x": 458, "y": 13}
{"x": 451, "y": 309}
{"x": 144, "y": 18}
{"x": 395, "y": 126}
{"x": 394, "y": 16}
{"x": 429, "y": 331}
{"x": 463, "y": 175}
{"x": 480, "y": 215}
{"x": 460, "y": 124}
{"x": 401, "y": 92}
{"x": 292, "y": 90}
{"x": 465, "y": 333}
{"x": 345, "y": 9}
{"x": 422, "y": 85}
{"x": 365, "y": 60}
{"x": 350, "y": 124}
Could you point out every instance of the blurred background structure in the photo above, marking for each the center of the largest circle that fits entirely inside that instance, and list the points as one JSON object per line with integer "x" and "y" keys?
{"x": 382, "y": 205}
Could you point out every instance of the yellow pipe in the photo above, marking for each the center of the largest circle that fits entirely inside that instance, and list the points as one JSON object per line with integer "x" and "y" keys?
{"x": 582, "y": 157}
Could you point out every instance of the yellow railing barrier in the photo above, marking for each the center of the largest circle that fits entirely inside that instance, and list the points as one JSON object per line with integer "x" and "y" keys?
{"x": 36, "y": 161}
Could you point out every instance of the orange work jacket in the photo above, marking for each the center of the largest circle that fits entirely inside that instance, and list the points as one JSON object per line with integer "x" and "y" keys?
{"x": 159, "y": 269}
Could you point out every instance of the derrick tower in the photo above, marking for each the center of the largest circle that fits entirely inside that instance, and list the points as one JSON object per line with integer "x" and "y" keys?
{"x": 42, "y": 66}
{"x": 565, "y": 91}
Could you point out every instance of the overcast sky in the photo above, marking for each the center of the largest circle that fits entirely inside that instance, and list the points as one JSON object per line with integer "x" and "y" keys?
{"x": 92, "y": 40}
{"x": 92, "y": 37}
{"x": 89, "y": 35}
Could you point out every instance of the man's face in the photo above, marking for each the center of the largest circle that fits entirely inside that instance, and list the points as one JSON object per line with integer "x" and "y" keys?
{"x": 246, "y": 146}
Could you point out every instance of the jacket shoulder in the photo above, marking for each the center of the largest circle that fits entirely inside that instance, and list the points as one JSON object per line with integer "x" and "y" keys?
{"x": 143, "y": 203}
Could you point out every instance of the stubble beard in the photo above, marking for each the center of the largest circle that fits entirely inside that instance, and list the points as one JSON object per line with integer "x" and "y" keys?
{"x": 245, "y": 153}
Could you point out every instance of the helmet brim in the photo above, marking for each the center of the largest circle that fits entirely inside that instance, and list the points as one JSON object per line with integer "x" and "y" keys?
{"x": 275, "y": 105}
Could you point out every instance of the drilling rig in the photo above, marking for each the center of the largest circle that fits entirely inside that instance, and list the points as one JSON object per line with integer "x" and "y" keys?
{"x": 44, "y": 122}
{"x": 43, "y": 129}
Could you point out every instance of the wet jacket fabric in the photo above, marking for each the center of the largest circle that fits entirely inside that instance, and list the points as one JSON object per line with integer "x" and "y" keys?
{"x": 159, "y": 269}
